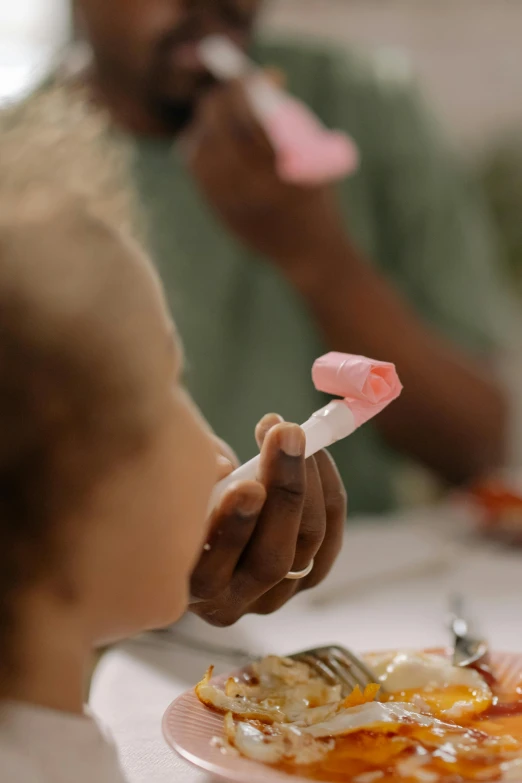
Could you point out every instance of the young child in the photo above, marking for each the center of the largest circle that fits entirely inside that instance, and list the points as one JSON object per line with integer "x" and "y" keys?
{"x": 106, "y": 466}
{"x": 103, "y": 456}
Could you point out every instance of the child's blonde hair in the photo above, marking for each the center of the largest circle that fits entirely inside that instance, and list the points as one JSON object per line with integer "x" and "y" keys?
{"x": 67, "y": 406}
{"x": 56, "y": 145}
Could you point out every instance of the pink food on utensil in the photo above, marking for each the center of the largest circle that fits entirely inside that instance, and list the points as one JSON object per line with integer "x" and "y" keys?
{"x": 307, "y": 152}
{"x": 368, "y": 386}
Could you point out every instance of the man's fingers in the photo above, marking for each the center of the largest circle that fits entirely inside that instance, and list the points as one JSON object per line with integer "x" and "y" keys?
{"x": 310, "y": 539}
{"x": 267, "y": 423}
{"x": 275, "y": 599}
{"x": 271, "y": 550}
{"x": 276, "y": 76}
{"x": 313, "y": 520}
{"x": 232, "y": 525}
{"x": 260, "y": 533}
{"x": 225, "y": 119}
{"x": 335, "y": 503}
{"x": 242, "y": 121}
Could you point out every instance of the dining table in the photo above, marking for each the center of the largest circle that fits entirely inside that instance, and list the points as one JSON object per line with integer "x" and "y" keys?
{"x": 390, "y": 589}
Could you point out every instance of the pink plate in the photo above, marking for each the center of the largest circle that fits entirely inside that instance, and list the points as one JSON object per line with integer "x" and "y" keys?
{"x": 189, "y": 728}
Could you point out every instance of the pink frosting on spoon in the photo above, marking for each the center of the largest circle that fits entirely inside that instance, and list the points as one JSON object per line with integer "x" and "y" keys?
{"x": 368, "y": 386}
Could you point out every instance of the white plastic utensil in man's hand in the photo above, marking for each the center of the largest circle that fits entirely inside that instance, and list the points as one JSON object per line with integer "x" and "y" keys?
{"x": 328, "y": 425}
{"x": 306, "y": 152}
{"x": 367, "y": 387}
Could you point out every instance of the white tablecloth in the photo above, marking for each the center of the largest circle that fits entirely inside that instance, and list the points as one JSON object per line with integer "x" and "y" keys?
{"x": 404, "y": 606}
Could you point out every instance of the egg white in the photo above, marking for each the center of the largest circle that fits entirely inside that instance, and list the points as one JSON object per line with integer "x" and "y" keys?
{"x": 427, "y": 673}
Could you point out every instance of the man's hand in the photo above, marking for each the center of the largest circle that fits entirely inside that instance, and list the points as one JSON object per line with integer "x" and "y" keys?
{"x": 234, "y": 164}
{"x": 453, "y": 415}
{"x": 262, "y": 530}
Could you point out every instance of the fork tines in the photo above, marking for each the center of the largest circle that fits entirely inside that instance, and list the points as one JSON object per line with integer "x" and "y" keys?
{"x": 338, "y": 666}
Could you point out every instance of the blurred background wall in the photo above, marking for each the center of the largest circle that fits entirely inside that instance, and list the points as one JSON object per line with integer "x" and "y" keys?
{"x": 467, "y": 53}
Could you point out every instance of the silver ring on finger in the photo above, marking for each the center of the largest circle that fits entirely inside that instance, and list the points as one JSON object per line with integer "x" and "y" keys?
{"x": 301, "y": 574}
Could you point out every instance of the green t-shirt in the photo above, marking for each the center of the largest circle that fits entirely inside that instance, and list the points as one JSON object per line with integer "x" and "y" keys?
{"x": 249, "y": 340}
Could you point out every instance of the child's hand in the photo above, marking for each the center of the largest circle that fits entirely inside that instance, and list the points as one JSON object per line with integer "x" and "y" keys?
{"x": 263, "y": 530}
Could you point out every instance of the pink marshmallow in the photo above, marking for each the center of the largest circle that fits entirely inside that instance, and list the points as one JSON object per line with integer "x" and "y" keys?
{"x": 367, "y": 386}
{"x": 307, "y": 152}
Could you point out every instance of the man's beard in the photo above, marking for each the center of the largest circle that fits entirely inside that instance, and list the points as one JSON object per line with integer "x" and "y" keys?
{"x": 176, "y": 115}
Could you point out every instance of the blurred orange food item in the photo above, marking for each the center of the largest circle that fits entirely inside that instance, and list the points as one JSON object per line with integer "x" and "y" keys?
{"x": 500, "y": 506}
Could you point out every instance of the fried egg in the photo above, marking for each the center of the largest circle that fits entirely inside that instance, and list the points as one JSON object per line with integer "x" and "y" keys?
{"x": 432, "y": 683}
{"x": 277, "y": 690}
{"x": 282, "y": 713}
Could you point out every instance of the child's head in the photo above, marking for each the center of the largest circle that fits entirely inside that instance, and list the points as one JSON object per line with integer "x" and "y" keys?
{"x": 105, "y": 466}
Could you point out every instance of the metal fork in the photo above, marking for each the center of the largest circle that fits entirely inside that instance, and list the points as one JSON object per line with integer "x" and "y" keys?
{"x": 338, "y": 666}
{"x": 468, "y": 649}
{"x": 335, "y": 664}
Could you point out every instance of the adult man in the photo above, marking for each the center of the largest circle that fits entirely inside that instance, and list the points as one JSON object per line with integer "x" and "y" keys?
{"x": 262, "y": 276}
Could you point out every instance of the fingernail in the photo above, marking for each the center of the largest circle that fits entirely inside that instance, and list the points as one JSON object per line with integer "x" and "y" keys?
{"x": 249, "y": 505}
{"x": 270, "y": 421}
{"x": 223, "y": 462}
{"x": 292, "y": 441}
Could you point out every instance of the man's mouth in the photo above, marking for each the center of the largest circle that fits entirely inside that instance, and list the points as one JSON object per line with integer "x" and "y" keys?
{"x": 185, "y": 55}
{"x": 180, "y": 47}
